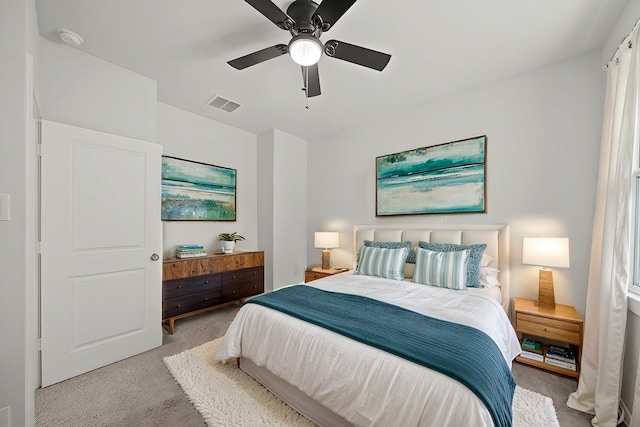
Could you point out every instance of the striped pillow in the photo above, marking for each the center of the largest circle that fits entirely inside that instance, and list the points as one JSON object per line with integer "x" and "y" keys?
{"x": 443, "y": 269}
{"x": 473, "y": 263}
{"x": 382, "y": 262}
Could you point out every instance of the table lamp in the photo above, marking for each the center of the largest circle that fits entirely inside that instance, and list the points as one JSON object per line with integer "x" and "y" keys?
{"x": 546, "y": 252}
{"x": 326, "y": 240}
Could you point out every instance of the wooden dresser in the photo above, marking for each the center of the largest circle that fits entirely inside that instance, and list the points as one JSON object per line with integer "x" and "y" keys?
{"x": 194, "y": 285}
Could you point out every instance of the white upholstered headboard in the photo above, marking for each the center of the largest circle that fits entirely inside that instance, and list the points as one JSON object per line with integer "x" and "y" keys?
{"x": 496, "y": 237}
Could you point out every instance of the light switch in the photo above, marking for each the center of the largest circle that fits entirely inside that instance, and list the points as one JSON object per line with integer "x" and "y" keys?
{"x": 5, "y": 207}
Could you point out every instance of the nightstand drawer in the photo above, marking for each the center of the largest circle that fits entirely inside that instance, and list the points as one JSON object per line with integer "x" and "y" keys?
{"x": 548, "y": 328}
{"x": 313, "y": 275}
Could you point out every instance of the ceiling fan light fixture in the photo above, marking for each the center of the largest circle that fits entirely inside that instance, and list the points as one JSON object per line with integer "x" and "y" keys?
{"x": 305, "y": 49}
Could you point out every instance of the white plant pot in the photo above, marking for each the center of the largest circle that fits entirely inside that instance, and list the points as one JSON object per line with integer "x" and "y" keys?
{"x": 227, "y": 247}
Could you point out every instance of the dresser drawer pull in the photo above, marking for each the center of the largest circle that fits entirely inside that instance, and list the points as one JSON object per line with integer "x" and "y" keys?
{"x": 206, "y": 281}
{"x": 178, "y": 287}
{"x": 233, "y": 277}
{"x": 206, "y": 299}
{"x": 254, "y": 273}
{"x": 178, "y": 306}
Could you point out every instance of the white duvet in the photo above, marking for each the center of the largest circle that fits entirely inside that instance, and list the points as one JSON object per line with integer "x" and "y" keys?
{"x": 367, "y": 386}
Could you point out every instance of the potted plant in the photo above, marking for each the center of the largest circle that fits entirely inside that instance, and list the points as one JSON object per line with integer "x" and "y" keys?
{"x": 228, "y": 241}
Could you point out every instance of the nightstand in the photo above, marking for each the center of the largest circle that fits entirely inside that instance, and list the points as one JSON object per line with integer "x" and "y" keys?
{"x": 318, "y": 273}
{"x": 562, "y": 325}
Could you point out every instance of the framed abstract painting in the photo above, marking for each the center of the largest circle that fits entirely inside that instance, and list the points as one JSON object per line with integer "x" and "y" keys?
{"x": 195, "y": 191}
{"x": 444, "y": 178}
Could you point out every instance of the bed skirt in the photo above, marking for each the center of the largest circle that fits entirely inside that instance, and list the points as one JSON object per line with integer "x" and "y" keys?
{"x": 292, "y": 396}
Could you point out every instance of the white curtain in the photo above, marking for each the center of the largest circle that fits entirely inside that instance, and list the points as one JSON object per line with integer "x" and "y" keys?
{"x": 611, "y": 267}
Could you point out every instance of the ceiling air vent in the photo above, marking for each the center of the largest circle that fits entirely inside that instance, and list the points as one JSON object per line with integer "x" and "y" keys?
{"x": 222, "y": 104}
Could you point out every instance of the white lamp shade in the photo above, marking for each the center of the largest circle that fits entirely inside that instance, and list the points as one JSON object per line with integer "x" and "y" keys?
{"x": 326, "y": 239}
{"x": 546, "y": 251}
{"x": 305, "y": 49}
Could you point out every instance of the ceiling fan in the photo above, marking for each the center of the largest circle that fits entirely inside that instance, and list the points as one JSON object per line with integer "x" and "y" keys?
{"x": 306, "y": 21}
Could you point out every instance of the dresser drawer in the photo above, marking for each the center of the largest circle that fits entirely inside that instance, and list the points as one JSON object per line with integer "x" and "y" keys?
{"x": 190, "y": 285}
{"x": 242, "y": 283}
{"x": 548, "y": 328}
{"x": 232, "y": 278}
{"x": 192, "y": 302}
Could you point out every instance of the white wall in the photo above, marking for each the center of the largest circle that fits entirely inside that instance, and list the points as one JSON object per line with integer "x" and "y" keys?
{"x": 18, "y": 30}
{"x": 289, "y": 209}
{"x": 266, "y": 171}
{"x": 623, "y": 26}
{"x": 282, "y": 182}
{"x": 192, "y": 137}
{"x": 81, "y": 90}
{"x": 543, "y": 129}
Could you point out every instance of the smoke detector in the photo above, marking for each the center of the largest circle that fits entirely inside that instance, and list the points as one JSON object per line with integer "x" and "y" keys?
{"x": 69, "y": 37}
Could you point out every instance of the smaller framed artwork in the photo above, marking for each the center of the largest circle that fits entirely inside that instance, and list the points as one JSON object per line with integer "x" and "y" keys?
{"x": 195, "y": 191}
{"x": 444, "y": 178}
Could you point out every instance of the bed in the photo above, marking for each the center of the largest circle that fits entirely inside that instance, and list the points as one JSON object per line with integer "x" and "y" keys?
{"x": 337, "y": 377}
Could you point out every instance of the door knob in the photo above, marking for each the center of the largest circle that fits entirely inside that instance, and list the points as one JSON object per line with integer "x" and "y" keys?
{"x": 155, "y": 257}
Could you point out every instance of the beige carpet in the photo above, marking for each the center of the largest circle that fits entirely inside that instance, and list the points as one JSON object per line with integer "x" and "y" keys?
{"x": 226, "y": 396}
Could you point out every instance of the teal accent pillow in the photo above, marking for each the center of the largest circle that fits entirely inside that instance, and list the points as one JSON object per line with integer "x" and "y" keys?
{"x": 473, "y": 264}
{"x": 411, "y": 258}
{"x": 382, "y": 262}
{"x": 388, "y": 245}
{"x": 443, "y": 269}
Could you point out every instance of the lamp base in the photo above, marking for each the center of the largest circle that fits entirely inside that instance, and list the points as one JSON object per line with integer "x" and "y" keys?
{"x": 546, "y": 297}
{"x": 326, "y": 259}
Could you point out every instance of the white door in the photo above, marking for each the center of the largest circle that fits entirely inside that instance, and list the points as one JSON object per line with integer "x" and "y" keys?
{"x": 101, "y": 284}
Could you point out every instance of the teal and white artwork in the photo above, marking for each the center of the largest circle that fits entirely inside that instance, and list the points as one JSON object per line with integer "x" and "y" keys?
{"x": 197, "y": 191}
{"x": 444, "y": 178}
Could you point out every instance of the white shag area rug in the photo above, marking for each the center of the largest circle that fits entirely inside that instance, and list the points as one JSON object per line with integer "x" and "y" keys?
{"x": 226, "y": 396}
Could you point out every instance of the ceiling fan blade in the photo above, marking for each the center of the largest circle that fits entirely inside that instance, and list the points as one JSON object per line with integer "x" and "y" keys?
{"x": 311, "y": 80}
{"x": 332, "y": 10}
{"x": 272, "y": 12}
{"x": 357, "y": 54}
{"x": 259, "y": 56}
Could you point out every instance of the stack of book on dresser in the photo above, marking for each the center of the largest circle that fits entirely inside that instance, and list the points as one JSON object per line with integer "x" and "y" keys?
{"x": 532, "y": 349}
{"x": 560, "y": 356}
{"x": 190, "y": 251}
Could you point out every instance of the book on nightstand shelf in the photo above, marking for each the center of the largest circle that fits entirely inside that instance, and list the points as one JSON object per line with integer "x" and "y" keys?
{"x": 532, "y": 345}
{"x": 556, "y": 362}
{"x": 560, "y": 356}
{"x": 532, "y": 349}
{"x": 559, "y": 351}
{"x": 532, "y": 355}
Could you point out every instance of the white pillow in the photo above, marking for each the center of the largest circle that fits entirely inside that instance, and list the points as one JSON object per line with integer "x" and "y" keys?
{"x": 443, "y": 269}
{"x": 489, "y": 277}
{"x": 486, "y": 260}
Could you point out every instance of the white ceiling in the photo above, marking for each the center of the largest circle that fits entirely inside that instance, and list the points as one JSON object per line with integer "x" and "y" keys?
{"x": 438, "y": 47}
